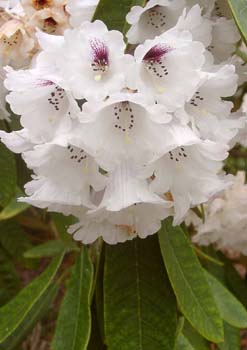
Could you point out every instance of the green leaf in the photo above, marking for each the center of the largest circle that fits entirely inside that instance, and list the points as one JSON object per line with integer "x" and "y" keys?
{"x": 232, "y": 338}
{"x": 189, "y": 283}
{"x": 50, "y": 249}
{"x": 99, "y": 287}
{"x": 236, "y": 284}
{"x": 216, "y": 270}
{"x": 14, "y": 207}
{"x": 14, "y": 240}
{"x": 22, "y": 312}
{"x": 7, "y": 175}
{"x": 9, "y": 279}
{"x": 139, "y": 305}
{"x": 113, "y": 13}
{"x": 41, "y": 308}
{"x": 95, "y": 342}
{"x": 232, "y": 311}
{"x": 180, "y": 325}
{"x": 74, "y": 320}
{"x": 195, "y": 339}
{"x": 24, "y": 174}
{"x": 183, "y": 344}
{"x": 239, "y": 11}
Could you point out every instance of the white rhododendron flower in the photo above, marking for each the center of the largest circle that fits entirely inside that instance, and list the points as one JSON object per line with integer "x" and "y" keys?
{"x": 169, "y": 67}
{"x": 81, "y": 11}
{"x": 140, "y": 219}
{"x": 206, "y": 5}
{"x": 32, "y": 6}
{"x": 125, "y": 126}
{"x": 244, "y": 104}
{"x": 49, "y": 20}
{"x": 92, "y": 60}
{"x": 226, "y": 219}
{"x": 190, "y": 187}
{"x": 208, "y": 114}
{"x": 241, "y": 137}
{"x": 4, "y": 114}
{"x": 15, "y": 43}
{"x": 123, "y": 136}
{"x": 41, "y": 102}
{"x": 11, "y": 7}
{"x": 126, "y": 209}
{"x": 153, "y": 19}
{"x": 199, "y": 26}
{"x": 225, "y": 36}
{"x": 51, "y": 184}
{"x": 221, "y": 9}
{"x": 241, "y": 68}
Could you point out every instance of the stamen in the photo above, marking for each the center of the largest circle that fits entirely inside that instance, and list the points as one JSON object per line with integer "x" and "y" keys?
{"x": 100, "y": 53}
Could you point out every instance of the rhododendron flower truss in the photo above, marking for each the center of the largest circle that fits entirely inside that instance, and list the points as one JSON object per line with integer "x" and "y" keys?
{"x": 128, "y": 120}
{"x": 122, "y": 136}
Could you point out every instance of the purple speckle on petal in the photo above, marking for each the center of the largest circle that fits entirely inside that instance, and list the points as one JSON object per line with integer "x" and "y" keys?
{"x": 156, "y": 53}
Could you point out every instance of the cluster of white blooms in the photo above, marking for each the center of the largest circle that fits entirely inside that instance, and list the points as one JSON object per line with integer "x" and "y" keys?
{"x": 123, "y": 141}
{"x": 226, "y": 219}
{"x": 19, "y": 21}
